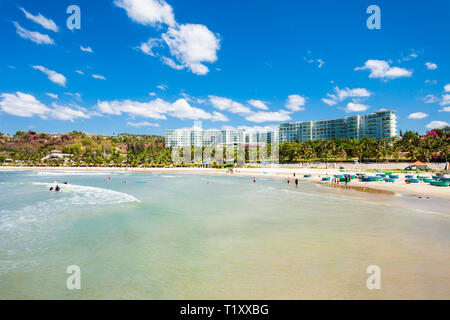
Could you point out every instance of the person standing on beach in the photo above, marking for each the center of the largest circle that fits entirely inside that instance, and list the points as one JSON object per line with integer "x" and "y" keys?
{"x": 288, "y": 181}
{"x": 254, "y": 180}
{"x": 296, "y": 182}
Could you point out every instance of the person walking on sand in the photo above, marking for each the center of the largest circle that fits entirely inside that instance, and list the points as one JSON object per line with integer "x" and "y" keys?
{"x": 296, "y": 182}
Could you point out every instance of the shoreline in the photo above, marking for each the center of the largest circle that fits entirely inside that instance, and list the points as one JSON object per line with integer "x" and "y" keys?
{"x": 400, "y": 187}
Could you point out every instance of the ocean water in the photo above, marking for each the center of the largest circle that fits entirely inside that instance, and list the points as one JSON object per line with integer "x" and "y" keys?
{"x": 175, "y": 236}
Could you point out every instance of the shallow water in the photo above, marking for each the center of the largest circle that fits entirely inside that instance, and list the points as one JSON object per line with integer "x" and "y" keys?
{"x": 174, "y": 236}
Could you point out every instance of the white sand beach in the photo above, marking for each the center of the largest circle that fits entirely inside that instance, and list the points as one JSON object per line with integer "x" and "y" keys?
{"x": 398, "y": 187}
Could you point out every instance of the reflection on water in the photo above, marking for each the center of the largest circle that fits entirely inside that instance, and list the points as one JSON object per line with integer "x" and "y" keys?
{"x": 361, "y": 188}
{"x": 205, "y": 237}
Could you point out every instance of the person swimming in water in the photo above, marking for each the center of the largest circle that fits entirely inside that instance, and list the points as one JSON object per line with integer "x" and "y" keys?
{"x": 57, "y": 188}
{"x": 51, "y": 189}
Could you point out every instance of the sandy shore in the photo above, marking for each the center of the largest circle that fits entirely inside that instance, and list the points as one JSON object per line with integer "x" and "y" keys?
{"x": 399, "y": 187}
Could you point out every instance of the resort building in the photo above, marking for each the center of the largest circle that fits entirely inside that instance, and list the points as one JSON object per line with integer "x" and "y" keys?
{"x": 55, "y": 155}
{"x": 377, "y": 125}
{"x": 198, "y": 137}
{"x": 230, "y": 137}
{"x": 260, "y": 137}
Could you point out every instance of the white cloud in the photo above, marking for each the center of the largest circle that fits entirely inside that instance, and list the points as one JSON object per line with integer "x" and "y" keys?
{"x": 52, "y": 95}
{"x": 34, "y": 36}
{"x": 447, "y": 87}
{"x": 381, "y": 69}
{"x": 26, "y": 105}
{"x": 226, "y": 104}
{"x": 53, "y": 76}
{"x": 431, "y": 66}
{"x": 22, "y": 105}
{"x": 158, "y": 109}
{"x": 98, "y": 76}
{"x": 436, "y": 124}
{"x": 147, "y": 47}
{"x": 74, "y": 95}
{"x": 66, "y": 113}
{"x": 217, "y": 116}
{"x": 152, "y": 94}
{"x": 48, "y": 24}
{"x": 148, "y": 12}
{"x": 253, "y": 129}
{"x": 417, "y": 115}
{"x": 445, "y": 100}
{"x": 310, "y": 60}
{"x": 87, "y": 49}
{"x": 192, "y": 45}
{"x": 79, "y": 72}
{"x": 181, "y": 109}
{"x": 342, "y": 94}
{"x": 295, "y": 102}
{"x": 329, "y": 102}
{"x": 143, "y": 124}
{"x": 356, "y": 107}
{"x": 352, "y": 93}
{"x": 154, "y": 109}
{"x": 258, "y": 104}
{"x": 281, "y": 115}
{"x": 411, "y": 56}
{"x": 430, "y": 98}
{"x": 445, "y": 109}
{"x": 162, "y": 87}
{"x": 171, "y": 63}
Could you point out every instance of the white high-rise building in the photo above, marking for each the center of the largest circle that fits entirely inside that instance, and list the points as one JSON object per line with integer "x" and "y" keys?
{"x": 188, "y": 137}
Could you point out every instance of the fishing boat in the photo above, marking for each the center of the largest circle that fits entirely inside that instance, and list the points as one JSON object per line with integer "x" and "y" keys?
{"x": 440, "y": 183}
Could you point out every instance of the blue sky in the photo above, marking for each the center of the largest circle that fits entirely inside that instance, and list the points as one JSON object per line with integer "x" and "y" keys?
{"x": 144, "y": 66}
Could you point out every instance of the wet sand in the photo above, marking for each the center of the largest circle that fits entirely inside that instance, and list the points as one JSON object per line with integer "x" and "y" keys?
{"x": 400, "y": 187}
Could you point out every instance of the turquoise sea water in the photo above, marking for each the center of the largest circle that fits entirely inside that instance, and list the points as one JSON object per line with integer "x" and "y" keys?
{"x": 175, "y": 236}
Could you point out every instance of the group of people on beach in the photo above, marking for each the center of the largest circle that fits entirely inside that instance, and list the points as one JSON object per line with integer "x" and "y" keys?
{"x": 295, "y": 180}
{"x": 347, "y": 179}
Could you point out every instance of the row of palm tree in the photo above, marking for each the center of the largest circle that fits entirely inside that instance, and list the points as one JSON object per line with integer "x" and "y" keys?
{"x": 148, "y": 151}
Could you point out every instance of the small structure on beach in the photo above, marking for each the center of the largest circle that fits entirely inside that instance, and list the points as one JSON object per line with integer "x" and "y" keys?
{"x": 418, "y": 165}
